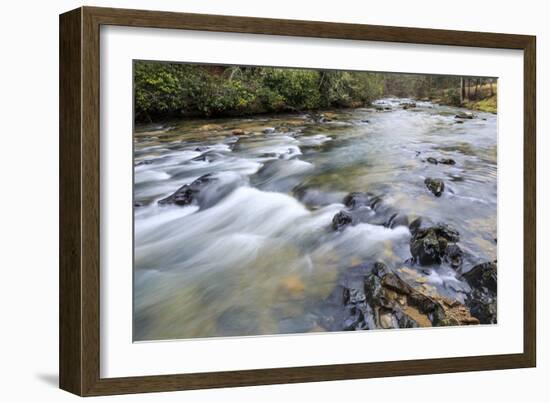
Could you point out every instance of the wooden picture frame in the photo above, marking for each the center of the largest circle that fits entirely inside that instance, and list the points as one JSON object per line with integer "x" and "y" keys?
{"x": 80, "y": 187}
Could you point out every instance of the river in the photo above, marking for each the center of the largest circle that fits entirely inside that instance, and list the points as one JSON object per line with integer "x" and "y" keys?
{"x": 258, "y": 254}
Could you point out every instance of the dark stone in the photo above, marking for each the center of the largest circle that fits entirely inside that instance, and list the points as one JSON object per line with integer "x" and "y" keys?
{"x": 454, "y": 256}
{"x": 204, "y": 191}
{"x": 138, "y": 204}
{"x": 430, "y": 245}
{"x": 365, "y": 120}
{"x": 360, "y": 199}
{"x": 448, "y": 232}
{"x": 447, "y": 161}
{"x": 483, "y": 306}
{"x": 436, "y": 186}
{"x": 483, "y": 275}
{"x": 397, "y": 220}
{"x": 144, "y": 162}
{"x": 425, "y": 247}
{"x": 415, "y": 225}
{"x": 482, "y": 300}
{"x": 186, "y": 194}
{"x": 341, "y": 220}
{"x": 432, "y": 160}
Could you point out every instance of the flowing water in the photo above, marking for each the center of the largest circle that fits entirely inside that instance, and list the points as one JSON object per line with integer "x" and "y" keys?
{"x": 258, "y": 254}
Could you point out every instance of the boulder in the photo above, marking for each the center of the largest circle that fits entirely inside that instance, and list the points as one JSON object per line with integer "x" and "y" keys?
{"x": 483, "y": 275}
{"x": 483, "y": 306}
{"x": 204, "y": 191}
{"x": 434, "y": 185}
{"x": 341, "y": 220}
{"x": 482, "y": 300}
{"x": 434, "y": 244}
{"x": 395, "y": 304}
{"x": 397, "y": 220}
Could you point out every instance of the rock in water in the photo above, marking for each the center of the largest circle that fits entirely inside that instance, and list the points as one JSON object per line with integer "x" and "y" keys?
{"x": 397, "y": 304}
{"x": 464, "y": 115}
{"x": 378, "y": 298}
{"x": 432, "y": 245}
{"x": 341, "y": 220}
{"x": 204, "y": 191}
{"x": 360, "y": 199}
{"x": 436, "y": 186}
{"x": 447, "y": 161}
{"x": 482, "y": 300}
{"x": 397, "y": 220}
{"x": 483, "y": 306}
{"x": 483, "y": 275}
{"x": 432, "y": 160}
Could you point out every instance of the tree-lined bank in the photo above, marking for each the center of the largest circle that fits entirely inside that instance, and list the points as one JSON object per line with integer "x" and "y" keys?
{"x": 173, "y": 90}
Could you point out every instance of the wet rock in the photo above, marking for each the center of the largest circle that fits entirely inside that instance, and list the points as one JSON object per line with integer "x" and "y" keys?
{"x": 138, "y": 204}
{"x": 363, "y": 207}
{"x": 436, "y": 186}
{"x": 376, "y": 297}
{"x": 209, "y": 156}
{"x": 456, "y": 314}
{"x": 341, "y": 220}
{"x": 432, "y": 160}
{"x": 204, "y": 191}
{"x": 464, "y": 115}
{"x": 453, "y": 256}
{"x": 365, "y": 121}
{"x": 355, "y": 200}
{"x": 238, "y": 132}
{"x": 483, "y": 275}
{"x": 408, "y": 105}
{"x": 459, "y": 122}
{"x": 482, "y": 300}
{"x": 483, "y": 306}
{"x": 397, "y": 220}
{"x": 431, "y": 245}
{"x": 144, "y": 162}
{"x": 396, "y": 304}
{"x": 447, "y": 161}
{"x": 415, "y": 225}
{"x": 268, "y": 130}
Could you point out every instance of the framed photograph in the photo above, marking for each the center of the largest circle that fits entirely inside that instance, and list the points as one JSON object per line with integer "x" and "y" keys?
{"x": 249, "y": 201}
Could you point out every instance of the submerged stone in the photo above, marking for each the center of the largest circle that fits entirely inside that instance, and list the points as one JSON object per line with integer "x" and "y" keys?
{"x": 436, "y": 186}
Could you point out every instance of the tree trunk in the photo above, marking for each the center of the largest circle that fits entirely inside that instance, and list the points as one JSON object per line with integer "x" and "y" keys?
{"x": 462, "y": 90}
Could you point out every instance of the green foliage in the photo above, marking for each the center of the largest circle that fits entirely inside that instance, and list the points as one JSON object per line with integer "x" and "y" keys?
{"x": 452, "y": 96}
{"x": 169, "y": 89}
{"x": 163, "y": 90}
